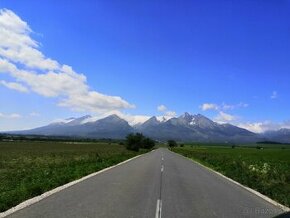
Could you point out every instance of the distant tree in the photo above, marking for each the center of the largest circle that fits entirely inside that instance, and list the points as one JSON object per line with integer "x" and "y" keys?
{"x": 181, "y": 145}
{"x": 171, "y": 143}
{"x": 148, "y": 143}
{"x": 136, "y": 141}
{"x": 133, "y": 141}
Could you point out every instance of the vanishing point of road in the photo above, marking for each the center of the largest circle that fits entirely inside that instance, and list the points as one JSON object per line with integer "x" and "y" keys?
{"x": 156, "y": 184}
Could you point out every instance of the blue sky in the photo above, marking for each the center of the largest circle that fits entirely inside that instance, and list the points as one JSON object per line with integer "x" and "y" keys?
{"x": 229, "y": 60}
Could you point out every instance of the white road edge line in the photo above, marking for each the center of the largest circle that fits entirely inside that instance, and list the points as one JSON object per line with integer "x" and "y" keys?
{"x": 275, "y": 203}
{"x": 60, "y": 188}
{"x": 162, "y": 168}
{"x": 158, "y": 209}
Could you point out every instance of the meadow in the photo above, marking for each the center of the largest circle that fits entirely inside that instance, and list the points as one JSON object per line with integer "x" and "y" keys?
{"x": 29, "y": 168}
{"x": 265, "y": 170}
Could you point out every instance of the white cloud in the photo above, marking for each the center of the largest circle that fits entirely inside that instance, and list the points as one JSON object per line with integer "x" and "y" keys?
{"x": 233, "y": 106}
{"x": 21, "y": 59}
{"x": 134, "y": 119}
{"x": 161, "y": 108}
{"x": 166, "y": 113}
{"x": 170, "y": 113}
{"x": 209, "y": 106}
{"x": 212, "y": 106}
{"x": 10, "y": 21}
{"x": 17, "y": 46}
{"x": 15, "y": 116}
{"x": 223, "y": 117}
{"x": 256, "y": 127}
{"x": 10, "y": 116}
{"x": 262, "y": 126}
{"x": 94, "y": 102}
{"x": 138, "y": 119}
{"x": 163, "y": 118}
{"x": 274, "y": 95}
{"x": 16, "y": 86}
{"x": 34, "y": 114}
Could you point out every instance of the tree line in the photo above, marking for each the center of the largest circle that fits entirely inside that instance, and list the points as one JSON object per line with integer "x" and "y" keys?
{"x": 137, "y": 141}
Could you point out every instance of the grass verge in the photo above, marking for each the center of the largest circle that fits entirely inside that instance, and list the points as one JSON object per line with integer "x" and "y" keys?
{"x": 266, "y": 170}
{"x": 28, "y": 169}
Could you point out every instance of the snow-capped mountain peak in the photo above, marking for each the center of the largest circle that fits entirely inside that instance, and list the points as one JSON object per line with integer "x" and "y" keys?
{"x": 163, "y": 119}
{"x": 192, "y": 122}
{"x": 78, "y": 121}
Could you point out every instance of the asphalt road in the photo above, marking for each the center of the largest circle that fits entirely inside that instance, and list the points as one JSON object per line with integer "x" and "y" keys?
{"x": 157, "y": 184}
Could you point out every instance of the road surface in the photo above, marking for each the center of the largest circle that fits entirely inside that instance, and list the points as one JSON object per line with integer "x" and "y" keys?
{"x": 157, "y": 184}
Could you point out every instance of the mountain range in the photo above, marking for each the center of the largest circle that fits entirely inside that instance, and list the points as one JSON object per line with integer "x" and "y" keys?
{"x": 186, "y": 127}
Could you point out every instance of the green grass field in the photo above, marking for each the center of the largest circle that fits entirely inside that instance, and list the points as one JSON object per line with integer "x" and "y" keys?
{"x": 265, "y": 170}
{"x": 28, "y": 169}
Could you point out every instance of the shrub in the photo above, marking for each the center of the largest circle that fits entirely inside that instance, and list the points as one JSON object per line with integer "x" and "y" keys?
{"x": 133, "y": 141}
{"x": 148, "y": 143}
{"x": 172, "y": 143}
{"x": 136, "y": 141}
